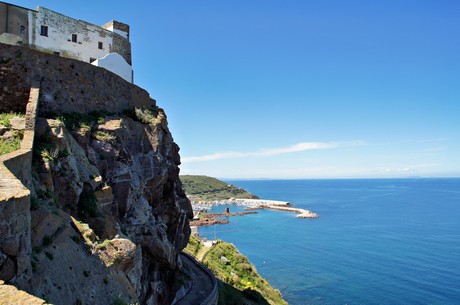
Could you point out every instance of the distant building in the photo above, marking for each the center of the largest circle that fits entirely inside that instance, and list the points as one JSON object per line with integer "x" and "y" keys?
{"x": 105, "y": 46}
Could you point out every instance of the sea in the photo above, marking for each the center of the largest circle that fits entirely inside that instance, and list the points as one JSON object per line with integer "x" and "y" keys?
{"x": 377, "y": 241}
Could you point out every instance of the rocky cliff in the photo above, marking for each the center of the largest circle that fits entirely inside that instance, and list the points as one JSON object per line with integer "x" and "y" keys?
{"x": 108, "y": 213}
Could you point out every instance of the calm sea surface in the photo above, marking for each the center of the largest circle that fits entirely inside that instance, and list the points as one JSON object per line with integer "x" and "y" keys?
{"x": 382, "y": 241}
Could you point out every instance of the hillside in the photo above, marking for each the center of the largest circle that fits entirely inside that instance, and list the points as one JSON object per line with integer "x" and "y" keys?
{"x": 204, "y": 188}
{"x": 239, "y": 282}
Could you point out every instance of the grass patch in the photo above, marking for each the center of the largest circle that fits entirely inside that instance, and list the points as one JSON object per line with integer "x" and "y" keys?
{"x": 12, "y": 144}
{"x": 103, "y": 244}
{"x": 193, "y": 246}
{"x": 146, "y": 116}
{"x": 239, "y": 281}
{"x": 104, "y": 136}
{"x": 76, "y": 120}
{"x": 5, "y": 118}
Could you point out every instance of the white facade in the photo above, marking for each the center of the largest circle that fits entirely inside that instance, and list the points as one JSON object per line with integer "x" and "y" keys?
{"x": 58, "y": 38}
{"x": 47, "y": 31}
{"x": 115, "y": 63}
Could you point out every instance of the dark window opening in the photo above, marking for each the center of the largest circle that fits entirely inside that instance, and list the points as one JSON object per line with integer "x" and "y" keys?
{"x": 74, "y": 37}
{"x": 100, "y": 45}
{"x": 22, "y": 29}
{"x": 44, "y": 30}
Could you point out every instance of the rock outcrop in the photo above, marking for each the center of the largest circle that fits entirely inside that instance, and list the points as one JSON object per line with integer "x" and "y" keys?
{"x": 120, "y": 176}
{"x": 108, "y": 214}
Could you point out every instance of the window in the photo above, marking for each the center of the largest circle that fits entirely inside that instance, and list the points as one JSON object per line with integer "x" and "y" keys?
{"x": 74, "y": 37}
{"x": 44, "y": 30}
{"x": 22, "y": 29}
{"x": 100, "y": 45}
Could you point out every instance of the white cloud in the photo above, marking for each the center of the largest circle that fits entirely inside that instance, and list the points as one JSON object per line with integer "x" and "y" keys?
{"x": 265, "y": 152}
{"x": 404, "y": 169}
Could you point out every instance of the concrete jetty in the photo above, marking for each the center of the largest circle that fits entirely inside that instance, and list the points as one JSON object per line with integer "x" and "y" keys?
{"x": 258, "y": 202}
{"x": 253, "y": 204}
{"x": 302, "y": 213}
{"x": 275, "y": 205}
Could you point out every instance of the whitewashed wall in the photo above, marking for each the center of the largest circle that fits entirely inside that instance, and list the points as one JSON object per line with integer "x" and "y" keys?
{"x": 115, "y": 63}
{"x": 60, "y": 30}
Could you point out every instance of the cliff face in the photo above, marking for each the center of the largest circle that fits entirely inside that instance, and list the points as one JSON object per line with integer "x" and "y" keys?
{"x": 108, "y": 213}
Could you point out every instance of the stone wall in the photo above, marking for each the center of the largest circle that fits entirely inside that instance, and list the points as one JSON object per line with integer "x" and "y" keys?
{"x": 15, "y": 246}
{"x": 121, "y": 46}
{"x": 15, "y": 177}
{"x": 66, "y": 84}
{"x": 14, "y": 20}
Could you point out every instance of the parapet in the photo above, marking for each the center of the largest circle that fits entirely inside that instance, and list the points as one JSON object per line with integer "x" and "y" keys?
{"x": 117, "y": 27}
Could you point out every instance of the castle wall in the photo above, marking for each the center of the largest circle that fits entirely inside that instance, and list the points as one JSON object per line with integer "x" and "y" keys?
{"x": 15, "y": 177}
{"x": 54, "y": 33}
{"x": 66, "y": 84}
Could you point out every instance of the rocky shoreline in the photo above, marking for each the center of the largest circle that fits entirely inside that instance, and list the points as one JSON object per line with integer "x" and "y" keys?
{"x": 210, "y": 219}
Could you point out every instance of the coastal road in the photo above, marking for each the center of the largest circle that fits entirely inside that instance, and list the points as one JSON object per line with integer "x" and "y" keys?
{"x": 204, "y": 285}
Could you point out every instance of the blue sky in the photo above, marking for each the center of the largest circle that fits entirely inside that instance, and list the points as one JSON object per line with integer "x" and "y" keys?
{"x": 299, "y": 89}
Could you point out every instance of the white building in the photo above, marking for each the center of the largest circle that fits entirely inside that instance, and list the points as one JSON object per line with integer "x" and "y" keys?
{"x": 42, "y": 29}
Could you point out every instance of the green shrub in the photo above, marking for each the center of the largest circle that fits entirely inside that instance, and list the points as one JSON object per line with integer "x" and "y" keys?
{"x": 6, "y": 117}
{"x": 49, "y": 255}
{"x": 146, "y": 116}
{"x": 34, "y": 204}
{"x": 10, "y": 145}
{"x": 76, "y": 239}
{"x": 103, "y": 244}
{"x": 87, "y": 205}
{"x": 76, "y": 120}
{"x": 47, "y": 240}
{"x": 104, "y": 136}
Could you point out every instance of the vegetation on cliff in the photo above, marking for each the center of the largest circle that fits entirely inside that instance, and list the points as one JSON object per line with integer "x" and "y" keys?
{"x": 204, "y": 188}
{"x": 10, "y": 136}
{"x": 87, "y": 209}
{"x": 239, "y": 282}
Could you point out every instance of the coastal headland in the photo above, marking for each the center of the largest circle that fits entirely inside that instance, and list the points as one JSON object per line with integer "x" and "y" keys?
{"x": 206, "y": 192}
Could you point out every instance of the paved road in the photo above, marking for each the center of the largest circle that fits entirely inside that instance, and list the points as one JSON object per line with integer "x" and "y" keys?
{"x": 202, "y": 283}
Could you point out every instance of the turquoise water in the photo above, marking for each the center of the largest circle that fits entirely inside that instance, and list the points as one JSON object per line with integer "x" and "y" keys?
{"x": 380, "y": 241}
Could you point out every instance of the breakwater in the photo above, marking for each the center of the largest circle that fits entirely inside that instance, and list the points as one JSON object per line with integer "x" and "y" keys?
{"x": 275, "y": 205}
{"x": 253, "y": 204}
{"x": 302, "y": 213}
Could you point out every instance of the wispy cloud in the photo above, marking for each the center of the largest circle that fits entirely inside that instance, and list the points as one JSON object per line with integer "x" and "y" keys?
{"x": 266, "y": 152}
{"x": 405, "y": 169}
